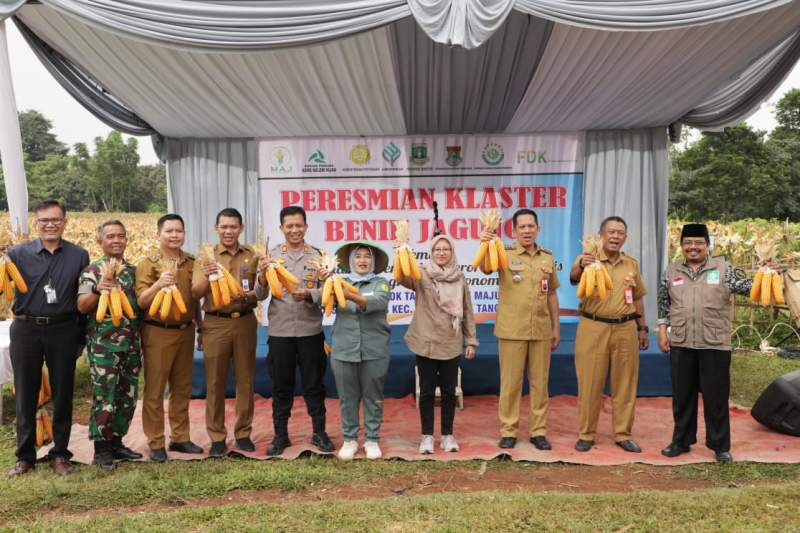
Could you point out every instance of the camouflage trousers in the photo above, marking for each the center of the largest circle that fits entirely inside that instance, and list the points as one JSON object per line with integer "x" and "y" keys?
{"x": 115, "y": 385}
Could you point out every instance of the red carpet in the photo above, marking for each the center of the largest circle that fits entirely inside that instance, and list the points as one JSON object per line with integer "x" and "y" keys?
{"x": 477, "y": 431}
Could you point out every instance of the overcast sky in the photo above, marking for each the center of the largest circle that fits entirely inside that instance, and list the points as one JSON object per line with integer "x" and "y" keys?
{"x": 36, "y": 89}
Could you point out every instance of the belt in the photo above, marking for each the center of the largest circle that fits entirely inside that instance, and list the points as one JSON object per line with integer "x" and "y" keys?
{"x": 158, "y": 324}
{"x": 46, "y": 320}
{"x": 608, "y": 320}
{"x": 229, "y": 315}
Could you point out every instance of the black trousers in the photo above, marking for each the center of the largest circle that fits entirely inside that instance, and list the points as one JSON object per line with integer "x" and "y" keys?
{"x": 444, "y": 373}
{"x": 31, "y": 347}
{"x": 286, "y": 354}
{"x": 694, "y": 371}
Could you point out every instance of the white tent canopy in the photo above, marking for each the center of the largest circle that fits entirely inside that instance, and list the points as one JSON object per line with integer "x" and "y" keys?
{"x": 207, "y": 77}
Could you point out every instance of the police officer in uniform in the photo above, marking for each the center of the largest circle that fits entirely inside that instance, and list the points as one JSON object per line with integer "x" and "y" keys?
{"x": 167, "y": 346}
{"x": 295, "y": 334}
{"x": 229, "y": 334}
{"x": 527, "y": 329}
{"x": 694, "y": 303}
{"x": 610, "y": 334}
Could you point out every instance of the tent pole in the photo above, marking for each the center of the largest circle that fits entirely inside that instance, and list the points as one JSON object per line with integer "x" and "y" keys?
{"x": 11, "y": 143}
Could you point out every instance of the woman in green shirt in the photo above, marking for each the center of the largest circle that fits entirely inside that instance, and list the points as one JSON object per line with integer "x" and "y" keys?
{"x": 360, "y": 356}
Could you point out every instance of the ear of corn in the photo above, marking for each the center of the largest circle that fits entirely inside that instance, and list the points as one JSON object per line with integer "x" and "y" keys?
{"x": 127, "y": 308}
{"x": 176, "y": 312}
{"x": 606, "y": 277}
{"x": 591, "y": 282}
{"x": 777, "y": 289}
{"x": 337, "y": 289}
{"x": 275, "y": 286}
{"x": 766, "y": 289}
{"x": 397, "y": 270}
{"x": 15, "y": 276}
{"x": 102, "y": 307}
{"x": 327, "y": 292}
{"x": 329, "y": 307}
{"x": 155, "y": 306}
{"x": 216, "y": 295}
{"x": 494, "y": 260}
{"x": 602, "y": 291}
{"x": 502, "y": 256}
{"x": 288, "y": 276}
{"x": 116, "y": 308}
{"x": 483, "y": 249}
{"x": 348, "y": 286}
{"x": 416, "y": 274}
{"x": 405, "y": 262}
{"x": 177, "y": 300}
{"x": 166, "y": 305}
{"x": 234, "y": 288}
{"x": 755, "y": 290}
{"x": 582, "y": 285}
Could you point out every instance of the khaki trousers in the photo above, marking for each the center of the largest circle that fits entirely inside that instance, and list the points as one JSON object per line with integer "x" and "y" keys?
{"x": 602, "y": 349}
{"x": 514, "y": 356}
{"x": 226, "y": 340}
{"x": 167, "y": 355}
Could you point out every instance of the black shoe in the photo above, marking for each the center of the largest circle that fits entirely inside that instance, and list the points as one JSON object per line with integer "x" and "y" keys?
{"x": 541, "y": 443}
{"x": 103, "y": 457}
{"x": 508, "y": 442}
{"x": 122, "y": 452}
{"x": 584, "y": 445}
{"x": 158, "y": 455}
{"x": 218, "y": 449}
{"x": 185, "y": 447}
{"x": 674, "y": 450}
{"x": 245, "y": 444}
{"x": 723, "y": 457}
{"x": 323, "y": 442}
{"x": 279, "y": 443}
{"x": 629, "y": 446}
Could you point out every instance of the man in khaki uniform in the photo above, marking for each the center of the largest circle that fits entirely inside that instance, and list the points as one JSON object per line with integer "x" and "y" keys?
{"x": 527, "y": 328}
{"x": 167, "y": 346}
{"x": 229, "y": 334}
{"x": 295, "y": 334}
{"x": 607, "y": 339}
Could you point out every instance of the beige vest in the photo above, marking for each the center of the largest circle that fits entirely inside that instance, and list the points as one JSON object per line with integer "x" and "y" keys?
{"x": 700, "y": 310}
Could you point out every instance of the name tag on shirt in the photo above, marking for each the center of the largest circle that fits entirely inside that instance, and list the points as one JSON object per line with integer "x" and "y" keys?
{"x": 246, "y": 284}
{"x": 628, "y": 295}
{"x": 677, "y": 281}
{"x": 545, "y": 286}
{"x": 712, "y": 277}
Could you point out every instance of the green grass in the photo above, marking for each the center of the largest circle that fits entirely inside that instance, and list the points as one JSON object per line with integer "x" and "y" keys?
{"x": 745, "y": 509}
{"x": 752, "y": 372}
{"x": 179, "y": 482}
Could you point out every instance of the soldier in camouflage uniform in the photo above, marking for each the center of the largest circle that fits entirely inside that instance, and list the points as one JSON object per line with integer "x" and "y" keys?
{"x": 114, "y": 352}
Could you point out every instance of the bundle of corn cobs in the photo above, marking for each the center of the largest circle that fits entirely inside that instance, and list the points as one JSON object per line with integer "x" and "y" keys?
{"x": 223, "y": 284}
{"x": 491, "y": 254}
{"x": 405, "y": 260}
{"x": 10, "y": 278}
{"x": 115, "y": 301}
{"x": 168, "y": 299}
{"x": 767, "y": 283}
{"x": 334, "y": 285}
{"x": 595, "y": 280}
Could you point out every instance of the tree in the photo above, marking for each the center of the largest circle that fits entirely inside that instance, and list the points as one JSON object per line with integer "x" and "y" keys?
{"x": 730, "y": 175}
{"x": 37, "y": 139}
{"x": 111, "y": 173}
{"x": 787, "y": 113}
{"x": 151, "y": 184}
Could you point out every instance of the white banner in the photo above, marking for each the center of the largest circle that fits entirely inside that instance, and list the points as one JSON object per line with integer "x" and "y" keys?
{"x": 354, "y": 188}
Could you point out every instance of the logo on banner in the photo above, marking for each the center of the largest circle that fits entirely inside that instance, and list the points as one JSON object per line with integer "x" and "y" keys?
{"x": 280, "y": 160}
{"x": 391, "y": 153}
{"x": 492, "y": 154}
{"x": 419, "y": 153}
{"x": 359, "y": 154}
{"x": 317, "y": 163}
{"x": 531, "y": 156}
{"x": 454, "y": 156}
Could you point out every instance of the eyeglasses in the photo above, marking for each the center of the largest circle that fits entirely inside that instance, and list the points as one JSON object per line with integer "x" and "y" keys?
{"x": 441, "y": 250}
{"x": 49, "y": 221}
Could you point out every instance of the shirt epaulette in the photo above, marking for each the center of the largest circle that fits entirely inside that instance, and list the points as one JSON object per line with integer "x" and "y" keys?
{"x": 190, "y": 257}
{"x": 546, "y": 251}
{"x": 155, "y": 258}
{"x": 510, "y": 246}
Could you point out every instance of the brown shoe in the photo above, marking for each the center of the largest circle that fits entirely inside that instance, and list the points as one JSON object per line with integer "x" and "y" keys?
{"x": 62, "y": 466}
{"x": 21, "y": 468}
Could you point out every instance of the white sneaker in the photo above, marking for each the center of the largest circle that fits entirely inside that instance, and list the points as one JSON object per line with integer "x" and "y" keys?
{"x": 449, "y": 443}
{"x": 426, "y": 444}
{"x": 372, "y": 449}
{"x": 348, "y": 450}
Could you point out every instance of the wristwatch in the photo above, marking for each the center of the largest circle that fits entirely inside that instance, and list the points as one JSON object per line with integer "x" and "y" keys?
{"x": 643, "y": 328}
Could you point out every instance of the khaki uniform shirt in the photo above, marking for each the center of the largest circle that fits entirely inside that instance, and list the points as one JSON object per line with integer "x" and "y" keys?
{"x": 148, "y": 271}
{"x": 243, "y": 265}
{"x": 288, "y": 318}
{"x": 522, "y": 311}
{"x": 624, "y": 274}
{"x": 363, "y": 334}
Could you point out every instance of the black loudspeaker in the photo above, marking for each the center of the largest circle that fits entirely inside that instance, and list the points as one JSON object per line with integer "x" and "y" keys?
{"x": 778, "y": 407}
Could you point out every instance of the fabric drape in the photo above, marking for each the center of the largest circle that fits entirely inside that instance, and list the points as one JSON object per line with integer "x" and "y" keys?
{"x": 207, "y": 175}
{"x": 627, "y": 175}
